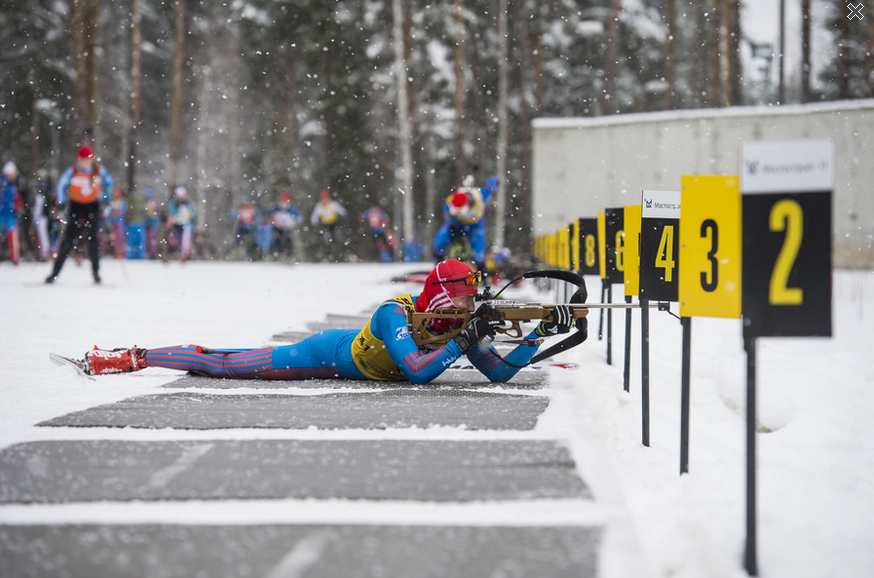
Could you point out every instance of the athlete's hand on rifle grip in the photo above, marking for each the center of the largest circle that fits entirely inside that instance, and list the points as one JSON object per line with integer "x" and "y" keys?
{"x": 562, "y": 321}
{"x": 485, "y": 311}
{"x": 476, "y": 331}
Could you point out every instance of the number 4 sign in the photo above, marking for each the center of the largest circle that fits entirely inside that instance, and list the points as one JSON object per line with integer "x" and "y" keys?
{"x": 659, "y": 245}
{"x": 786, "y": 192}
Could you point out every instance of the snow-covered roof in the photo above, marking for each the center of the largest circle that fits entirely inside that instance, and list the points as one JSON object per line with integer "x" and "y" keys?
{"x": 703, "y": 113}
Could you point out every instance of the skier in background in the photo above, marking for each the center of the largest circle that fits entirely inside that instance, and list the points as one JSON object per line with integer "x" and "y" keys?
{"x": 82, "y": 188}
{"x": 10, "y": 205}
{"x": 381, "y": 233}
{"x": 384, "y": 350}
{"x": 182, "y": 217}
{"x": 264, "y": 238}
{"x": 116, "y": 214}
{"x": 42, "y": 213}
{"x": 153, "y": 223}
{"x": 247, "y": 217}
{"x": 136, "y": 225}
{"x": 326, "y": 216}
{"x": 464, "y": 217}
{"x": 284, "y": 217}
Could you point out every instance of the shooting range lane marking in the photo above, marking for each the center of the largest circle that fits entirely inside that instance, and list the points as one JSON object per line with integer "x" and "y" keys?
{"x": 559, "y": 512}
{"x": 188, "y": 458}
{"x": 401, "y": 408}
{"x": 303, "y": 555}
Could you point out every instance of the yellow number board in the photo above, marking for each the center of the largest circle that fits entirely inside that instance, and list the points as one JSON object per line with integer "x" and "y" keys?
{"x": 632, "y": 250}
{"x": 602, "y": 243}
{"x": 710, "y": 247}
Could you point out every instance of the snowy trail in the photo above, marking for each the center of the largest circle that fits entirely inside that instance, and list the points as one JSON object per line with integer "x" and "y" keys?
{"x": 816, "y": 498}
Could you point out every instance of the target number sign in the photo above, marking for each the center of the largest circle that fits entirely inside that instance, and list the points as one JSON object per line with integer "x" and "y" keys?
{"x": 614, "y": 233}
{"x": 632, "y": 250}
{"x": 710, "y": 247}
{"x": 589, "y": 262}
{"x": 786, "y": 190}
{"x": 659, "y": 245}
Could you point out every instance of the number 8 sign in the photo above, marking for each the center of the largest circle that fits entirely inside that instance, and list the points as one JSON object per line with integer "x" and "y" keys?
{"x": 787, "y": 237}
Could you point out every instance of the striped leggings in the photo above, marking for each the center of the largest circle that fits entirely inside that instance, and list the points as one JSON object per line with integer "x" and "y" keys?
{"x": 325, "y": 355}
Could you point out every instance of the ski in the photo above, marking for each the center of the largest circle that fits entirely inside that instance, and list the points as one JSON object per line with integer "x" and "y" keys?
{"x": 76, "y": 364}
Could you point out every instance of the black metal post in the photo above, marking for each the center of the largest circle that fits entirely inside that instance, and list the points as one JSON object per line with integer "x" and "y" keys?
{"x": 686, "y": 322}
{"x": 609, "y": 325}
{"x": 627, "y": 374}
{"x": 644, "y": 367}
{"x": 601, "y": 321}
{"x": 750, "y": 558}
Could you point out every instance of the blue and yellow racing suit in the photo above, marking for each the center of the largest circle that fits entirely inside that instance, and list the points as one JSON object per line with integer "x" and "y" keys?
{"x": 383, "y": 350}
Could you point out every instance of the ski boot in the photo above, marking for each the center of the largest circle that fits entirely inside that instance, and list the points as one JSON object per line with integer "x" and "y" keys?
{"x": 121, "y": 360}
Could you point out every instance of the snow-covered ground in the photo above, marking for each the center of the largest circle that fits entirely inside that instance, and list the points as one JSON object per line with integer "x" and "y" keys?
{"x": 816, "y": 399}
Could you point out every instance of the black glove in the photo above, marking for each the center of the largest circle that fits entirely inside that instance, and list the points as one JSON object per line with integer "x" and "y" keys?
{"x": 478, "y": 329}
{"x": 562, "y": 321}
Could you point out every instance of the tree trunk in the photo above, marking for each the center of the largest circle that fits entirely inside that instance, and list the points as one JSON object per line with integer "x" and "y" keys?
{"x": 136, "y": 57}
{"x": 524, "y": 192}
{"x": 781, "y": 88}
{"x": 290, "y": 127}
{"x": 698, "y": 59}
{"x": 671, "y": 20}
{"x": 538, "y": 60}
{"x": 478, "y": 120}
{"x": 92, "y": 29}
{"x": 715, "y": 91}
{"x": 869, "y": 59}
{"x": 84, "y": 27}
{"x": 805, "y": 50}
{"x": 34, "y": 129}
{"x": 178, "y": 89}
{"x": 503, "y": 125}
{"x": 734, "y": 75}
{"x": 460, "y": 93}
{"x": 611, "y": 66}
{"x": 844, "y": 46}
{"x": 404, "y": 136}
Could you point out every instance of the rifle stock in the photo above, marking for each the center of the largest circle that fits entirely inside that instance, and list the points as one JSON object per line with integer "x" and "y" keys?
{"x": 512, "y": 313}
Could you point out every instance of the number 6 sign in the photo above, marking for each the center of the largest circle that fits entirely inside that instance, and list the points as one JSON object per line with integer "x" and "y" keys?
{"x": 786, "y": 192}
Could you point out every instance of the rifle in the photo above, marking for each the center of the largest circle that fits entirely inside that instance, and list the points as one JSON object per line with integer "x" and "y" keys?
{"x": 512, "y": 313}
{"x": 509, "y": 311}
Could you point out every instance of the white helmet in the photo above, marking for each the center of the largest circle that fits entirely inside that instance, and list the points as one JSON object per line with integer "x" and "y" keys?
{"x": 10, "y": 170}
{"x": 180, "y": 192}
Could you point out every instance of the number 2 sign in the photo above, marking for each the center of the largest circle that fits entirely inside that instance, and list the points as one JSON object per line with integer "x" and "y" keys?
{"x": 786, "y": 192}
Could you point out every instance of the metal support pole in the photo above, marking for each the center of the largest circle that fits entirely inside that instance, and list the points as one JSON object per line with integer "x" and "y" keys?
{"x": 609, "y": 325}
{"x": 750, "y": 558}
{"x": 627, "y": 374}
{"x": 644, "y": 367}
{"x": 601, "y": 321}
{"x": 686, "y": 322}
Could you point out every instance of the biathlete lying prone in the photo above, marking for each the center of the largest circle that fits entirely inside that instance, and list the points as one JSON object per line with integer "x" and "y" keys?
{"x": 383, "y": 350}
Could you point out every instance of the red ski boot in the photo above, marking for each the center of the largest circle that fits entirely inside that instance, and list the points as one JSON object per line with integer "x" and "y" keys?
{"x": 104, "y": 361}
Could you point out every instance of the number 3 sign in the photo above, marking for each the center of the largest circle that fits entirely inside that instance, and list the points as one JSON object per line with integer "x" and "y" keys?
{"x": 786, "y": 191}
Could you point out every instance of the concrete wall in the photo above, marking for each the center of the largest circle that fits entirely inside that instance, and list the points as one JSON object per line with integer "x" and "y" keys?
{"x": 583, "y": 165}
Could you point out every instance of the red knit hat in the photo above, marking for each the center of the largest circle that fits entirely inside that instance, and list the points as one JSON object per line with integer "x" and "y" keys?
{"x": 324, "y": 196}
{"x": 85, "y": 152}
{"x": 446, "y": 281}
{"x": 284, "y": 197}
{"x": 459, "y": 199}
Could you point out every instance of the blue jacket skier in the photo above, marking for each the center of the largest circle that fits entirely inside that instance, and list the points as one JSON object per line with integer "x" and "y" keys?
{"x": 464, "y": 216}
